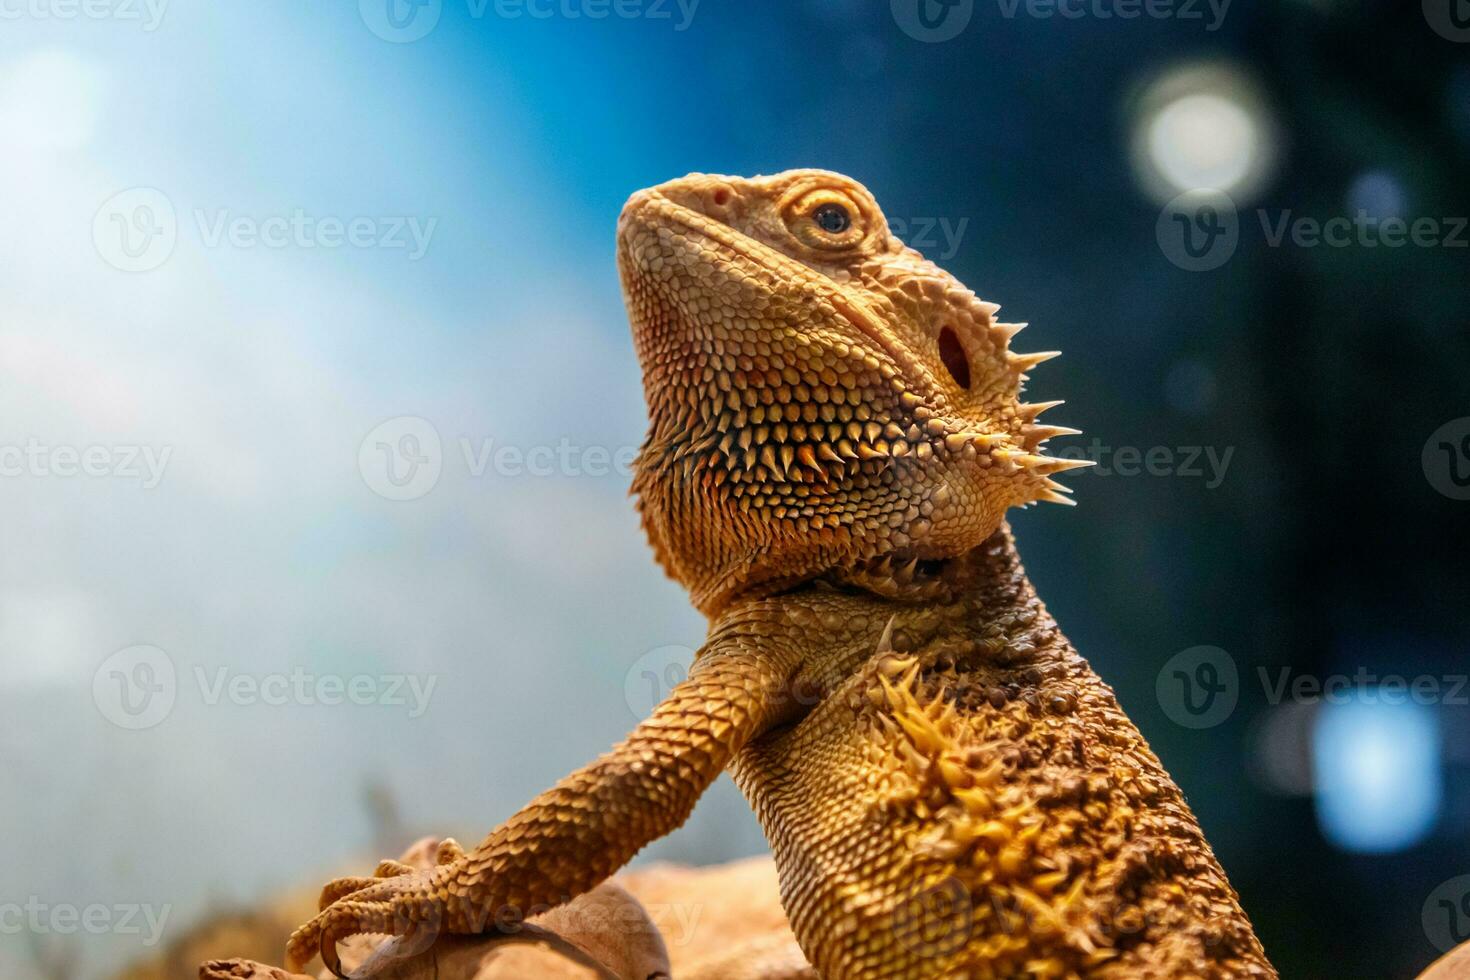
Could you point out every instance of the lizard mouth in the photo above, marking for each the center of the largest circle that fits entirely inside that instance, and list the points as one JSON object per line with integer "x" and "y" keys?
{"x": 779, "y": 268}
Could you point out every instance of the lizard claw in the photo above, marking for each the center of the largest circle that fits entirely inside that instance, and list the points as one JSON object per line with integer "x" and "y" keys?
{"x": 330, "y": 957}
{"x": 449, "y": 851}
{"x": 410, "y": 903}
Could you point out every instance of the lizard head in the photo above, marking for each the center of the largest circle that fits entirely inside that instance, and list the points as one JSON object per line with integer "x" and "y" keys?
{"x": 822, "y": 399}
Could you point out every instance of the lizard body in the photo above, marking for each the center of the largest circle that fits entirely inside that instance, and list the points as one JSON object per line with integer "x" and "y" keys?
{"x": 836, "y": 434}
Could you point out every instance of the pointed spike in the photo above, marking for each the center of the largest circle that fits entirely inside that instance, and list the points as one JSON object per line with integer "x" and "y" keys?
{"x": 768, "y": 459}
{"x": 1056, "y": 498}
{"x": 1035, "y": 435}
{"x": 1008, "y": 330}
{"x": 1025, "y": 362}
{"x": 987, "y": 307}
{"x": 1054, "y": 485}
{"x": 885, "y": 642}
{"x": 1055, "y": 464}
{"x": 825, "y": 452}
{"x": 1033, "y": 409}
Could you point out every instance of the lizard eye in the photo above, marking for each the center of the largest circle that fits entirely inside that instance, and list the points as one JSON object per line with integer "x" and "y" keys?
{"x": 827, "y": 219}
{"x": 832, "y": 218}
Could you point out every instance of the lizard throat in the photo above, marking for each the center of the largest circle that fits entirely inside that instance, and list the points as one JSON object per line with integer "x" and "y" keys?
{"x": 779, "y": 271}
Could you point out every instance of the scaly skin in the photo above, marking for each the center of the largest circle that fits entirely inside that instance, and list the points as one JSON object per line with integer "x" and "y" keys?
{"x": 950, "y": 791}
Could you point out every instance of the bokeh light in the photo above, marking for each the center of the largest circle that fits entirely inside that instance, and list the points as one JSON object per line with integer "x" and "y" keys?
{"x": 1203, "y": 126}
{"x": 1376, "y": 768}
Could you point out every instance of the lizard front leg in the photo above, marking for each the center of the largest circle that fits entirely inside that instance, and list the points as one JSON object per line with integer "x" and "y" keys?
{"x": 580, "y": 831}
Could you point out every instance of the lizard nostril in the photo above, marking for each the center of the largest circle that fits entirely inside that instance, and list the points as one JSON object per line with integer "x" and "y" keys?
{"x": 952, "y": 353}
{"x": 722, "y": 197}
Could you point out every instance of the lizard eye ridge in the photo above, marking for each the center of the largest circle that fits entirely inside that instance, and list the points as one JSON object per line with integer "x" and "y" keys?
{"x": 826, "y": 219}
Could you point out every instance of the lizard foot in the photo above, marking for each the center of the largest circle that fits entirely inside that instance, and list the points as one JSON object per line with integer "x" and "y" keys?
{"x": 398, "y": 900}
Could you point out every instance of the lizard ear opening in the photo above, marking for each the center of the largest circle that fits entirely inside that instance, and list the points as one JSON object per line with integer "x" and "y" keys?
{"x": 952, "y": 354}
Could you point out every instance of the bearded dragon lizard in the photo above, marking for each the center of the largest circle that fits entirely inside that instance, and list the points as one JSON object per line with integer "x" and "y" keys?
{"x": 949, "y": 790}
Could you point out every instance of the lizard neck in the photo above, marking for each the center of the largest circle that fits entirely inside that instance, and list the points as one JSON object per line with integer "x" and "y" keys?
{"x": 981, "y": 612}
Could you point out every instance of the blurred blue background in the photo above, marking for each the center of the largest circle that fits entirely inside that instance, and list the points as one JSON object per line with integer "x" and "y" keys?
{"x": 287, "y": 277}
